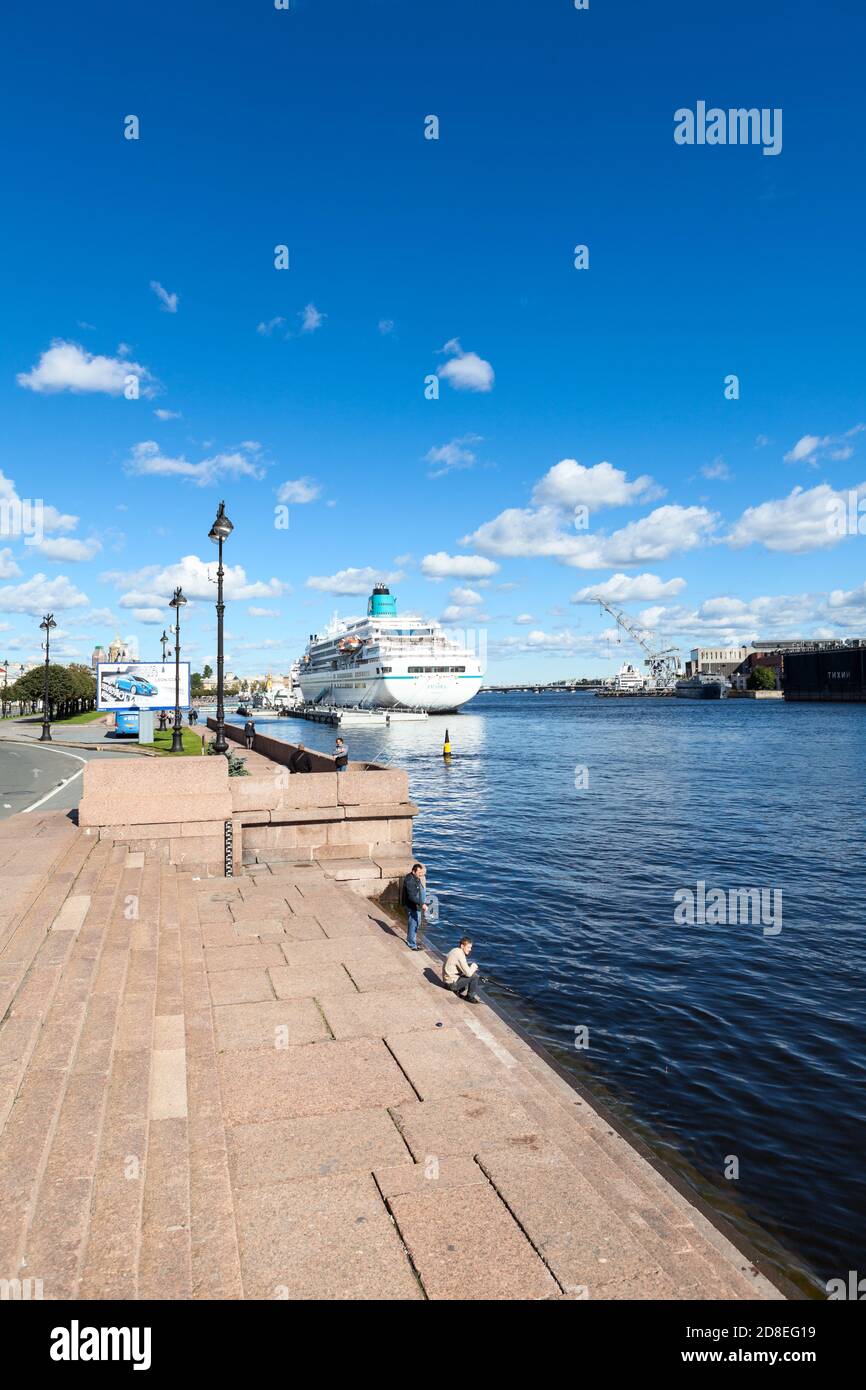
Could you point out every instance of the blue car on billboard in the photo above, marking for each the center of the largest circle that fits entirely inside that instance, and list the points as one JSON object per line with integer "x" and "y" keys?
{"x": 135, "y": 685}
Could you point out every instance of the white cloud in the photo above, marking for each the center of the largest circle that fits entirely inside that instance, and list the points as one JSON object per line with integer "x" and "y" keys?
{"x": 167, "y": 414}
{"x": 467, "y": 597}
{"x": 168, "y": 301}
{"x": 69, "y": 367}
{"x": 351, "y": 581}
{"x": 811, "y": 448}
{"x": 660, "y": 534}
{"x": 264, "y": 644}
{"x": 311, "y": 319}
{"x": 461, "y": 613}
{"x": 523, "y": 618}
{"x": 443, "y": 566}
{"x": 266, "y": 329}
{"x": 264, "y": 612}
{"x": 730, "y": 620}
{"x": 146, "y": 458}
{"x": 150, "y": 615}
{"x": 717, "y": 470}
{"x": 51, "y": 518}
{"x": 299, "y": 490}
{"x": 453, "y": 455}
{"x": 152, "y": 585}
{"x": 561, "y": 642}
{"x": 8, "y": 568}
{"x": 569, "y": 484}
{"x": 800, "y": 522}
{"x": 466, "y": 371}
{"x": 848, "y": 608}
{"x": 39, "y": 595}
{"x": 623, "y": 588}
{"x": 64, "y": 548}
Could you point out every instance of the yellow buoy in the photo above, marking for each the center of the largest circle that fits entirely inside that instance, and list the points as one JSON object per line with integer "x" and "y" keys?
{"x": 446, "y": 751}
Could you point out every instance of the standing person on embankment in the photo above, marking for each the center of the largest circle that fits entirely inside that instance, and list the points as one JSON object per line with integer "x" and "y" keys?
{"x": 341, "y": 755}
{"x": 458, "y": 975}
{"x": 414, "y": 898}
{"x": 249, "y": 733}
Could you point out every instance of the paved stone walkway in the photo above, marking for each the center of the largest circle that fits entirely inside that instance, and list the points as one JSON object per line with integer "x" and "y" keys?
{"x": 250, "y": 1088}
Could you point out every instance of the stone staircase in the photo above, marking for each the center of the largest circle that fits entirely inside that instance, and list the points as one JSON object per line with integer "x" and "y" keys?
{"x": 248, "y": 1087}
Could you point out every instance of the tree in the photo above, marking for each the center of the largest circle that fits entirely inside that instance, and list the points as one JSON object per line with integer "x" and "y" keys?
{"x": 207, "y": 673}
{"x": 71, "y": 689}
{"x": 196, "y": 684}
{"x": 762, "y": 678}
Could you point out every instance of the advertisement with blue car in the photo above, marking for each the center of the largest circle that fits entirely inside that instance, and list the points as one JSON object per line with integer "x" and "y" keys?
{"x": 135, "y": 685}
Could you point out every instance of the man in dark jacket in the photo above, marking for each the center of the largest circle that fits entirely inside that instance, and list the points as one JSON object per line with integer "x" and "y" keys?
{"x": 300, "y": 761}
{"x": 249, "y": 733}
{"x": 414, "y": 898}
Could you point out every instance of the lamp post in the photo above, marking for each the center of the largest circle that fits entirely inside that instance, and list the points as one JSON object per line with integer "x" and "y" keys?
{"x": 219, "y": 532}
{"x": 164, "y": 639}
{"x": 177, "y": 603}
{"x": 46, "y": 625}
{"x": 5, "y": 683}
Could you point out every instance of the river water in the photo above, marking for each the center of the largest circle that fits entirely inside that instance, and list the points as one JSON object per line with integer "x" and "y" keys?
{"x": 559, "y": 837}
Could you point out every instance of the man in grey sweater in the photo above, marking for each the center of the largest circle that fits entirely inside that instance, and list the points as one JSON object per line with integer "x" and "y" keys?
{"x": 458, "y": 975}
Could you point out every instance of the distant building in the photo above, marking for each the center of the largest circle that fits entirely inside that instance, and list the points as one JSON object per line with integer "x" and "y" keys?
{"x": 807, "y": 644}
{"x": 716, "y": 661}
{"x": 15, "y": 669}
{"x": 117, "y": 651}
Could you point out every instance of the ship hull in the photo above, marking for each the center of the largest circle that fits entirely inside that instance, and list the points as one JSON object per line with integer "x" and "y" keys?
{"x": 699, "y": 692}
{"x": 407, "y": 692}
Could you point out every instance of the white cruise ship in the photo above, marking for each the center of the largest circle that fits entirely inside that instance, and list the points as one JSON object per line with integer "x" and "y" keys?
{"x": 387, "y": 662}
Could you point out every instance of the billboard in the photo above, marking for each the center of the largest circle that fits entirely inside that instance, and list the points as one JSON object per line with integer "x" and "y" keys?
{"x": 140, "y": 685}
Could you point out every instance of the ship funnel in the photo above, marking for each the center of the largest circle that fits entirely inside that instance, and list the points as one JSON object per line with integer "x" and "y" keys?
{"x": 381, "y": 603}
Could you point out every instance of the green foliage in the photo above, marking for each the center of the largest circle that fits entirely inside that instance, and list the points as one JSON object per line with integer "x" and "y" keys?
{"x": 162, "y": 742}
{"x": 71, "y": 690}
{"x": 762, "y": 678}
{"x": 196, "y": 684}
{"x": 237, "y": 766}
{"x": 207, "y": 672}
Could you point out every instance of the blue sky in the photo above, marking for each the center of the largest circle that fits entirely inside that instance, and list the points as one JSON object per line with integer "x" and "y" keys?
{"x": 604, "y": 388}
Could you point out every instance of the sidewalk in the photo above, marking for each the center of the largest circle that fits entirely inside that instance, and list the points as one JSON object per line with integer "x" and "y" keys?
{"x": 229, "y": 1088}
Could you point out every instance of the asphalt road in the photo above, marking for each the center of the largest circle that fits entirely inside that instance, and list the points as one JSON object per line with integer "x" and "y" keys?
{"x": 37, "y": 775}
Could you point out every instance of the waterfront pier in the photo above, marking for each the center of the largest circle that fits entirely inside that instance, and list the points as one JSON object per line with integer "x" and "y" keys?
{"x": 224, "y": 1086}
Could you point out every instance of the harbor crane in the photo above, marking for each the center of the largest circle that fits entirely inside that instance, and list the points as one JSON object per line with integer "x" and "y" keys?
{"x": 664, "y": 664}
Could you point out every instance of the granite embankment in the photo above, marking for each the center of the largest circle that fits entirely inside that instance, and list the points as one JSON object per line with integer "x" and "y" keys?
{"x": 246, "y": 1086}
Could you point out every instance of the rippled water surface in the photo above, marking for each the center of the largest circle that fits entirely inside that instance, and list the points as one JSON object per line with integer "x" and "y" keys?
{"x": 714, "y": 1040}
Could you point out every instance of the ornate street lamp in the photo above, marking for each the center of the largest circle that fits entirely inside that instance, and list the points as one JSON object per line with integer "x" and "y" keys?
{"x": 219, "y": 532}
{"x": 46, "y": 625}
{"x": 177, "y": 603}
{"x": 5, "y": 683}
{"x": 164, "y": 639}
